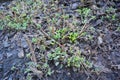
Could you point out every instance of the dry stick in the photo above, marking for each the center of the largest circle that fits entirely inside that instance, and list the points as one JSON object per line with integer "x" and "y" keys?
{"x": 33, "y": 58}
{"x": 83, "y": 29}
{"x": 85, "y": 26}
{"x": 36, "y": 72}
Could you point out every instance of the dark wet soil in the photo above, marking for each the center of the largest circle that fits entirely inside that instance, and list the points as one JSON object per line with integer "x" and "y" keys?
{"x": 105, "y": 55}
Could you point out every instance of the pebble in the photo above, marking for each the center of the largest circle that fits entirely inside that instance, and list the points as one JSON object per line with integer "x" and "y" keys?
{"x": 6, "y": 44}
{"x": 12, "y": 52}
{"x": 24, "y": 43}
{"x": 74, "y": 6}
{"x": 21, "y": 54}
{"x": 100, "y": 40}
{"x": 1, "y": 56}
{"x": 2, "y": 8}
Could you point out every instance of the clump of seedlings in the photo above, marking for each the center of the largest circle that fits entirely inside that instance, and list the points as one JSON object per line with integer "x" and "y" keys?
{"x": 55, "y": 29}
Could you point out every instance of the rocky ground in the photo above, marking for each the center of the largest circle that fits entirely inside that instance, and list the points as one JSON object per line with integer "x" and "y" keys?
{"x": 99, "y": 43}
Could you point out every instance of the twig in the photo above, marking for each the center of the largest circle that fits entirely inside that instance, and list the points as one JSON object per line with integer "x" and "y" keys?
{"x": 33, "y": 58}
{"x": 36, "y": 72}
{"x": 85, "y": 26}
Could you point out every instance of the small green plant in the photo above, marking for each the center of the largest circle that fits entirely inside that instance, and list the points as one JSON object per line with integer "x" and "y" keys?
{"x": 65, "y": 16}
{"x": 20, "y": 14}
{"x": 57, "y": 35}
{"x": 28, "y": 77}
{"x": 57, "y": 56}
{"x": 34, "y": 40}
{"x": 19, "y": 19}
{"x": 73, "y": 36}
{"x": 47, "y": 68}
{"x": 111, "y": 17}
{"x": 1, "y": 24}
{"x": 60, "y": 33}
{"x": 110, "y": 10}
{"x": 28, "y": 55}
{"x": 84, "y": 13}
{"x": 118, "y": 28}
{"x": 77, "y": 61}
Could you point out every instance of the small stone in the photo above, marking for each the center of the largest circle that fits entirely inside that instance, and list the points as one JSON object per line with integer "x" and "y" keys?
{"x": 100, "y": 40}
{"x": 1, "y": 57}
{"x": 77, "y": 15}
{"x": 74, "y": 6}
{"x": 49, "y": 42}
{"x": 1, "y": 8}
{"x": 10, "y": 53}
{"x": 21, "y": 54}
{"x": 119, "y": 67}
{"x": 24, "y": 43}
{"x": 94, "y": 7}
{"x": 6, "y": 44}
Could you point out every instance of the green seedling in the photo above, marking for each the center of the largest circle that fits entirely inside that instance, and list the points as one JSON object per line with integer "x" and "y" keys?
{"x": 34, "y": 40}
{"x": 65, "y": 16}
{"x": 113, "y": 17}
{"x": 29, "y": 77}
{"x": 21, "y": 14}
{"x": 1, "y": 24}
{"x": 84, "y": 13}
{"x": 57, "y": 56}
{"x": 111, "y": 10}
{"x": 47, "y": 68}
{"x": 77, "y": 61}
{"x": 60, "y": 33}
{"x": 118, "y": 28}
{"x": 73, "y": 36}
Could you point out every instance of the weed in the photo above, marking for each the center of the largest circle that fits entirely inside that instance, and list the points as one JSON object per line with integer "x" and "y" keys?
{"x": 77, "y": 61}
{"x": 118, "y": 28}
{"x": 34, "y": 40}
{"x": 110, "y": 10}
{"x": 111, "y": 13}
{"x": 1, "y": 24}
{"x": 57, "y": 56}
{"x": 111, "y": 17}
{"x": 60, "y": 33}
{"x": 84, "y": 13}
{"x": 57, "y": 35}
{"x": 20, "y": 15}
{"x": 74, "y": 61}
{"x": 47, "y": 68}
{"x": 73, "y": 36}
{"x": 29, "y": 77}
{"x": 65, "y": 16}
